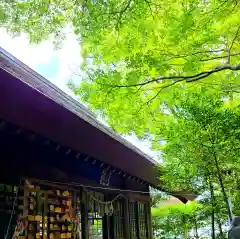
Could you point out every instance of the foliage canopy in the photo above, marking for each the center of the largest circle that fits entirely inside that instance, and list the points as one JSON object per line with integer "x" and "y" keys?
{"x": 134, "y": 50}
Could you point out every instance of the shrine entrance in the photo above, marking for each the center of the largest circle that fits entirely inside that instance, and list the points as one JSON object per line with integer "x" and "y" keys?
{"x": 38, "y": 209}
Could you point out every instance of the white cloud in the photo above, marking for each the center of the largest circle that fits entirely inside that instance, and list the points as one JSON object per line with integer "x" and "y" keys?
{"x": 31, "y": 55}
{"x": 69, "y": 55}
{"x": 70, "y": 61}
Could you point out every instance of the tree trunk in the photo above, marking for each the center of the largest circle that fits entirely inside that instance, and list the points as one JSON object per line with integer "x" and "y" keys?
{"x": 225, "y": 198}
{"x": 213, "y": 208}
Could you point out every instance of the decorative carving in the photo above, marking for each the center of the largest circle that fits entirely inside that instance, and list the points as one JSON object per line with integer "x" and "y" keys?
{"x": 105, "y": 177}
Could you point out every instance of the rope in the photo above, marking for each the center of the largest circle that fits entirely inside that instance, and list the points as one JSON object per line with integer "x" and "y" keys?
{"x": 103, "y": 202}
{"x": 108, "y": 205}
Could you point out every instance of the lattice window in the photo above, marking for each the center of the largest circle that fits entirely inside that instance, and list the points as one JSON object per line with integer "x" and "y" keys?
{"x": 119, "y": 219}
{"x": 142, "y": 220}
{"x": 133, "y": 218}
{"x": 95, "y": 214}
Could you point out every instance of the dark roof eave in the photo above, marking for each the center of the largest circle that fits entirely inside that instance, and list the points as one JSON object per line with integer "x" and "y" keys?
{"x": 48, "y": 99}
{"x": 21, "y": 71}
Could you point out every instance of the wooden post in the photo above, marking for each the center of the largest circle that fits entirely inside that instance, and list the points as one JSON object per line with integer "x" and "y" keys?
{"x": 105, "y": 222}
{"x": 149, "y": 221}
{"x": 111, "y": 226}
{"x": 105, "y": 227}
{"x": 111, "y": 219}
{"x": 130, "y": 205}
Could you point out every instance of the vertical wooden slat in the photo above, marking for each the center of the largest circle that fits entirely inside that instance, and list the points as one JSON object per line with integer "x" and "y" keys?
{"x": 25, "y": 207}
{"x": 131, "y": 206}
{"x": 5, "y": 200}
{"x": 137, "y": 219}
{"x": 14, "y": 206}
{"x": 105, "y": 226}
{"x": 127, "y": 213}
{"x": 130, "y": 218}
{"x": 84, "y": 214}
{"x": 45, "y": 214}
{"x": 146, "y": 219}
{"x": 45, "y": 205}
{"x": 74, "y": 206}
{"x": 111, "y": 225}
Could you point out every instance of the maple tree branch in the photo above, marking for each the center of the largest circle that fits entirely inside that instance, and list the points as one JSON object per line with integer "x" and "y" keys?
{"x": 119, "y": 21}
{"x": 172, "y": 55}
{"x": 231, "y": 45}
{"x": 178, "y": 79}
{"x": 155, "y": 96}
{"x": 235, "y": 37}
{"x": 124, "y": 9}
{"x": 221, "y": 57}
{"x": 217, "y": 8}
{"x": 188, "y": 79}
{"x": 215, "y": 70}
{"x": 233, "y": 91}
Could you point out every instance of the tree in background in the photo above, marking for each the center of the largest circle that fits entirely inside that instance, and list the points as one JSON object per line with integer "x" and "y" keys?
{"x": 201, "y": 150}
{"x": 174, "y": 220}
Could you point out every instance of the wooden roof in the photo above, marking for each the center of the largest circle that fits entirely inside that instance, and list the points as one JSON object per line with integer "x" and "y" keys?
{"x": 31, "y": 101}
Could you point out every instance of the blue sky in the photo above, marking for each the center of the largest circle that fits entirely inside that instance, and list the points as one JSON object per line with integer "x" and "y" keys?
{"x": 51, "y": 69}
{"x": 58, "y": 66}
